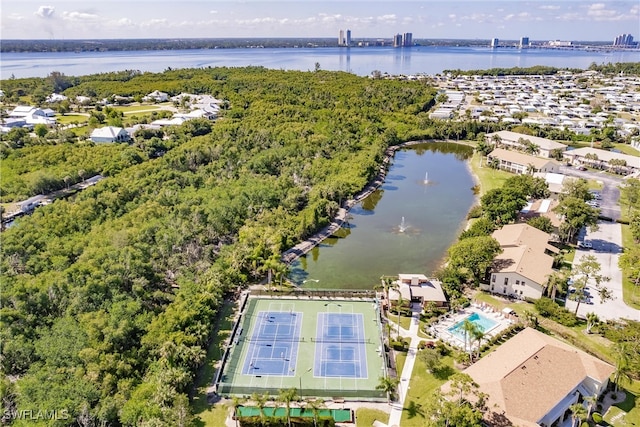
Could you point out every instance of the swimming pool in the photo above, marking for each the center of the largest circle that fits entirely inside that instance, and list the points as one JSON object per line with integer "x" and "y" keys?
{"x": 479, "y": 320}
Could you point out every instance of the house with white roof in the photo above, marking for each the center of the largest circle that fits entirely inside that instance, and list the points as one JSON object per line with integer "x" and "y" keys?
{"x": 110, "y": 134}
{"x": 156, "y": 96}
{"x": 33, "y": 115}
{"x": 533, "y": 379}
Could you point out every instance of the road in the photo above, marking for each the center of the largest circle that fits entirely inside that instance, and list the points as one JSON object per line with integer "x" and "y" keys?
{"x": 610, "y": 193}
{"x": 607, "y": 247}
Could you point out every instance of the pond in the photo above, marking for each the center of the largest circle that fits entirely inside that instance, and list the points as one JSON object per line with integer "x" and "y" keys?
{"x": 405, "y": 226}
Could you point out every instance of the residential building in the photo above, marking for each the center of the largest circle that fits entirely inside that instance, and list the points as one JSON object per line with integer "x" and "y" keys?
{"x": 544, "y": 208}
{"x": 397, "y": 40}
{"x": 533, "y": 379}
{"x": 33, "y": 115}
{"x": 417, "y": 288}
{"x": 522, "y": 269}
{"x": 156, "y": 96}
{"x": 407, "y": 39}
{"x": 347, "y": 41}
{"x": 341, "y": 38}
{"x": 524, "y": 42}
{"x": 555, "y": 181}
{"x": 110, "y": 134}
{"x": 516, "y": 162}
{"x": 505, "y": 138}
{"x": 495, "y": 42}
{"x": 603, "y": 159}
{"x": 624, "y": 40}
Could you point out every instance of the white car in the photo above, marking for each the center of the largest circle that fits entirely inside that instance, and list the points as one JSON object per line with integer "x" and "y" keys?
{"x": 585, "y": 245}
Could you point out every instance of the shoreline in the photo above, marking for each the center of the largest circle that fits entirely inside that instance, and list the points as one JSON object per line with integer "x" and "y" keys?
{"x": 304, "y": 247}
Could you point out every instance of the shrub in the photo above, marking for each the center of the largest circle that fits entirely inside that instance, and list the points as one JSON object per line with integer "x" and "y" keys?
{"x": 597, "y": 417}
{"x": 475, "y": 212}
{"x": 548, "y": 308}
{"x": 442, "y": 348}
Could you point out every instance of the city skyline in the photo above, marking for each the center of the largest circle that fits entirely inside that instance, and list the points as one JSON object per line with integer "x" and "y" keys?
{"x": 426, "y": 19}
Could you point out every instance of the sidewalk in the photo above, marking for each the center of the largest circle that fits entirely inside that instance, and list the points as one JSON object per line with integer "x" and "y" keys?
{"x": 405, "y": 377}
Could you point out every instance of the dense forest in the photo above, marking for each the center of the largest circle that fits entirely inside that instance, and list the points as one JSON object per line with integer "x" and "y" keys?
{"x": 108, "y": 299}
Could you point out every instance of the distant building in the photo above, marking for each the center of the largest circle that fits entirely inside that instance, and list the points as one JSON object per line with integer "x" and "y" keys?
{"x": 494, "y": 42}
{"x": 407, "y": 39}
{"x": 397, "y": 40}
{"x": 560, "y": 43}
{"x": 623, "y": 40}
{"x": 524, "y": 42}
{"x": 344, "y": 38}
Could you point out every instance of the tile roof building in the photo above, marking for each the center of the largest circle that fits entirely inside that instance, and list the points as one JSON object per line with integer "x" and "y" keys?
{"x": 533, "y": 379}
{"x": 521, "y": 270}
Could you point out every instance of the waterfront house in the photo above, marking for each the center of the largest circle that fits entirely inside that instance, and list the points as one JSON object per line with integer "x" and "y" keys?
{"x": 516, "y": 162}
{"x": 156, "y": 96}
{"x": 532, "y": 380}
{"x": 110, "y": 134}
{"x": 417, "y": 288}
{"x": 522, "y": 269}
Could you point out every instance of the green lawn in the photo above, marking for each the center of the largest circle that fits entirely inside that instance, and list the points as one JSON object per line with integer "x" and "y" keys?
{"x": 626, "y": 413}
{"x": 489, "y": 178}
{"x": 129, "y": 109}
{"x": 71, "y": 118}
{"x": 421, "y": 386}
{"x": 365, "y": 417}
{"x": 401, "y": 358}
{"x": 205, "y": 413}
{"x": 627, "y": 149}
{"x": 630, "y": 293}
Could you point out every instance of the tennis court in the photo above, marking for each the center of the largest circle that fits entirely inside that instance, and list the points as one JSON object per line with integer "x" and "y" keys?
{"x": 323, "y": 348}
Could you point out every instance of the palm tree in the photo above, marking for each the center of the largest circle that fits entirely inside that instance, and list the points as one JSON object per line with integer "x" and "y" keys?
{"x": 287, "y": 396}
{"x": 478, "y": 335}
{"x": 315, "y": 405}
{"x": 389, "y": 386}
{"x": 592, "y": 320}
{"x": 235, "y": 403}
{"x": 622, "y": 372}
{"x": 591, "y": 402}
{"x": 469, "y": 329}
{"x": 260, "y": 400}
{"x": 578, "y": 413}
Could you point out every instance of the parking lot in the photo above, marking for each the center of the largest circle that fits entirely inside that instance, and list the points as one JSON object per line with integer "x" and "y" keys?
{"x": 606, "y": 245}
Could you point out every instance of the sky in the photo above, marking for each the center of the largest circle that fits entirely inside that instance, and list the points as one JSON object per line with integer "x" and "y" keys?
{"x": 427, "y": 19}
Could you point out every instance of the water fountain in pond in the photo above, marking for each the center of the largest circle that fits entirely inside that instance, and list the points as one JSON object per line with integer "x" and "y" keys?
{"x": 426, "y": 177}
{"x": 403, "y": 226}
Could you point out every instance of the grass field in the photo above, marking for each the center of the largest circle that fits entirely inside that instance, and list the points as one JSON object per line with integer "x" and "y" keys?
{"x": 630, "y": 292}
{"x": 365, "y": 417}
{"x": 627, "y": 412}
{"x": 72, "y": 118}
{"x": 324, "y": 378}
{"x": 489, "y": 178}
{"x": 626, "y": 149}
{"x": 130, "y": 109}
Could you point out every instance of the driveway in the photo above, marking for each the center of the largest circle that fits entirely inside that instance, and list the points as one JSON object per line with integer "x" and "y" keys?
{"x": 607, "y": 247}
{"x": 610, "y": 193}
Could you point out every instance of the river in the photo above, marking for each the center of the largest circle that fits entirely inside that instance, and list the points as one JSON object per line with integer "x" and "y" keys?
{"x": 361, "y": 61}
{"x": 405, "y": 226}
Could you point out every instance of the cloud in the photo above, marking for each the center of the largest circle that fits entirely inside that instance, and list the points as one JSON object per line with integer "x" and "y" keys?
{"x": 45, "y": 12}
{"x": 79, "y": 16}
{"x": 15, "y": 17}
{"x": 549, "y": 7}
{"x": 213, "y": 12}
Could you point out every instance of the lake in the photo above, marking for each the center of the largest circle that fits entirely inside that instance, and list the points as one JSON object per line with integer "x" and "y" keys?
{"x": 374, "y": 245}
{"x": 360, "y": 61}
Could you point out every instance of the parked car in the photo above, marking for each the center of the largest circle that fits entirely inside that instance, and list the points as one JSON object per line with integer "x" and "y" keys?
{"x": 585, "y": 244}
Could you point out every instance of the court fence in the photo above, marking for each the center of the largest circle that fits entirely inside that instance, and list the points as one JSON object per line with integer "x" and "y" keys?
{"x": 317, "y": 293}
{"x": 226, "y": 389}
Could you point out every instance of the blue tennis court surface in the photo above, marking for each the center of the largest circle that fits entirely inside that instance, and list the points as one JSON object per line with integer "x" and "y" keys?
{"x": 340, "y": 346}
{"x": 273, "y": 345}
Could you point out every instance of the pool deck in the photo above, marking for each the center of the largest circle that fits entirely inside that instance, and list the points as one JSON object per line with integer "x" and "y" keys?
{"x": 441, "y": 329}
